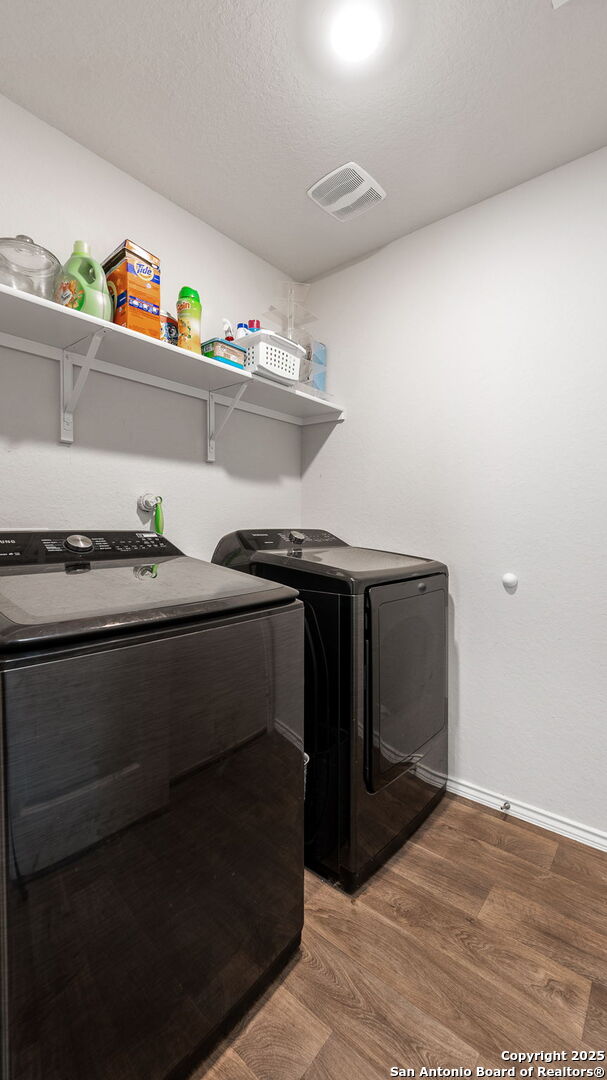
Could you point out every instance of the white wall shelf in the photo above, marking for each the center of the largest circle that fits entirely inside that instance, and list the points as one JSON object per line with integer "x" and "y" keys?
{"x": 82, "y": 343}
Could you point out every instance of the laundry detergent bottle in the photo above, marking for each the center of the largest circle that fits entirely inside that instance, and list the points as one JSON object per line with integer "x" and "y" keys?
{"x": 82, "y": 284}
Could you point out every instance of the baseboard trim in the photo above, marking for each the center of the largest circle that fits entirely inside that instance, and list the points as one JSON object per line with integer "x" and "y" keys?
{"x": 544, "y": 818}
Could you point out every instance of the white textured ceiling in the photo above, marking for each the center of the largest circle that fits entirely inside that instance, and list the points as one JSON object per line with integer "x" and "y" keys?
{"x": 232, "y": 109}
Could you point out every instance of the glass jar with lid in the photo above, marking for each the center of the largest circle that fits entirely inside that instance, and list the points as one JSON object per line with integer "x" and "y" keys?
{"x": 28, "y": 266}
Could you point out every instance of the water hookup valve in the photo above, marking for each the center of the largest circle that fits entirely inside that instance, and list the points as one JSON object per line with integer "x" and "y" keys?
{"x": 152, "y": 504}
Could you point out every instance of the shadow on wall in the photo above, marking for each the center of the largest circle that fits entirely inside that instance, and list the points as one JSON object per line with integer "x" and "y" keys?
{"x": 315, "y": 437}
{"x": 453, "y": 691}
{"x": 121, "y": 417}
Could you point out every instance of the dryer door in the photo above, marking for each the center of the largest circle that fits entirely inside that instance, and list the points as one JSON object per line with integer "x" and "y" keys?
{"x": 406, "y": 674}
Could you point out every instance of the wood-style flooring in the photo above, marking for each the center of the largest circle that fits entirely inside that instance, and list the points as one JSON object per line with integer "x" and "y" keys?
{"x": 482, "y": 934}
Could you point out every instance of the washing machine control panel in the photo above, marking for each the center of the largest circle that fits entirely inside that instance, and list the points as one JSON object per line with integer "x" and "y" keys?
{"x": 281, "y": 539}
{"x": 22, "y": 548}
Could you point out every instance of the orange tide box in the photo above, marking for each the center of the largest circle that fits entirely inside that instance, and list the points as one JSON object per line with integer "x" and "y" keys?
{"x": 133, "y": 278}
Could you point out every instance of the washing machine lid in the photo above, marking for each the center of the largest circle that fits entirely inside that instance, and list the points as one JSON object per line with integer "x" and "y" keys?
{"x": 71, "y": 599}
{"x": 360, "y": 567}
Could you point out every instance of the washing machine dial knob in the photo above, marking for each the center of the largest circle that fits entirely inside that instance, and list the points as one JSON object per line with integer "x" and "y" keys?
{"x": 79, "y": 542}
{"x": 296, "y": 537}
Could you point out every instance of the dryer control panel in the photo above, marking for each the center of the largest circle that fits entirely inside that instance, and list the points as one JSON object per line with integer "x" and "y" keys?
{"x": 31, "y": 548}
{"x": 279, "y": 539}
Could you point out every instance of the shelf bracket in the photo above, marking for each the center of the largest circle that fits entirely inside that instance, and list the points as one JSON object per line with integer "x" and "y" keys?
{"x": 71, "y": 391}
{"x": 213, "y": 432}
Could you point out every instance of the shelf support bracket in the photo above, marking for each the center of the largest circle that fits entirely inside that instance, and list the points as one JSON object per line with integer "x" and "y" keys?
{"x": 213, "y": 432}
{"x": 71, "y": 391}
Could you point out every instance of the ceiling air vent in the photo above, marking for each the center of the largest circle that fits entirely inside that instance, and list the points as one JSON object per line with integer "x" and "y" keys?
{"x": 346, "y": 192}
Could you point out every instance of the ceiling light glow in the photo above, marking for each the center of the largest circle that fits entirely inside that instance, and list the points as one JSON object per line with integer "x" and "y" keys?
{"x": 356, "y": 31}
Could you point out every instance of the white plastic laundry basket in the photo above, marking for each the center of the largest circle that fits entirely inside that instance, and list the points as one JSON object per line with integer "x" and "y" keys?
{"x": 272, "y": 356}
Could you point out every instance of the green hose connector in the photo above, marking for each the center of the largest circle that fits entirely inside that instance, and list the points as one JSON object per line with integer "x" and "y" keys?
{"x": 159, "y": 518}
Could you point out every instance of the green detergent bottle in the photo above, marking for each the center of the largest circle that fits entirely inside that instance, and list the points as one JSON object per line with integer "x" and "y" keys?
{"x": 82, "y": 284}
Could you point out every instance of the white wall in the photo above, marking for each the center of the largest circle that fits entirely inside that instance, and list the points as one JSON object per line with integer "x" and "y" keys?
{"x": 131, "y": 438}
{"x": 472, "y": 356}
